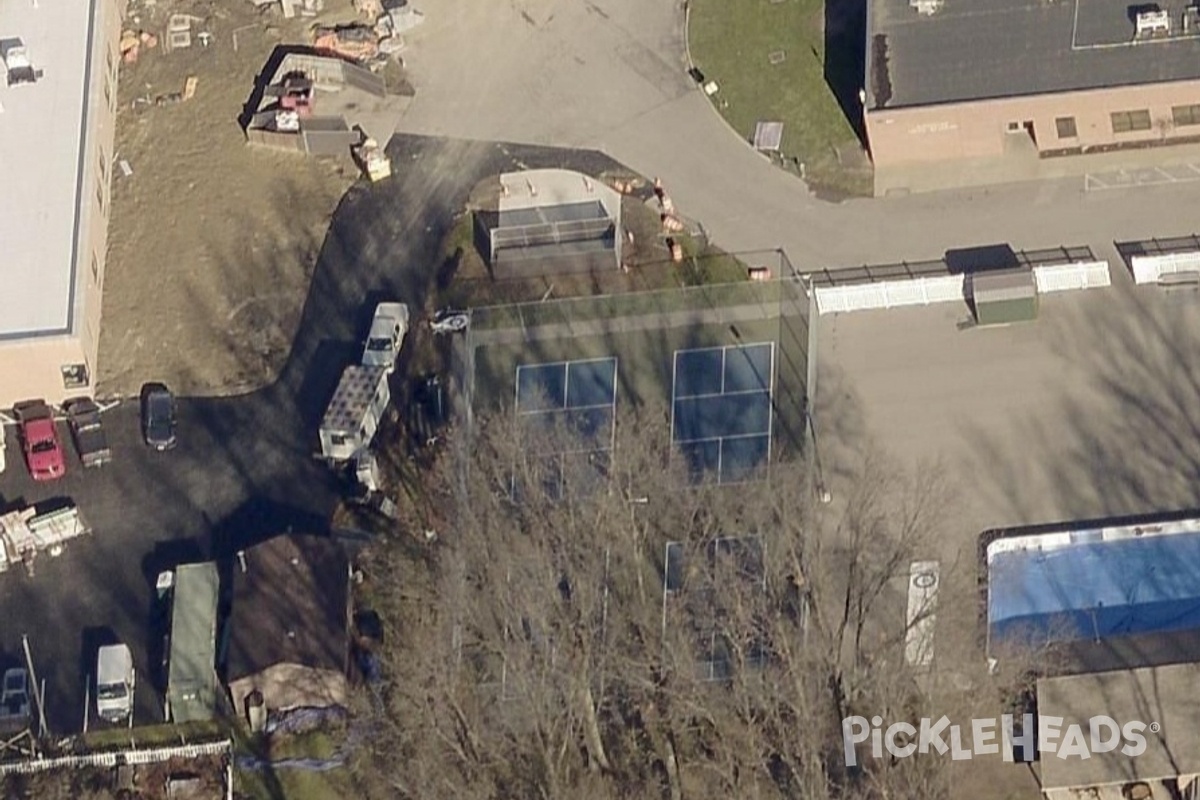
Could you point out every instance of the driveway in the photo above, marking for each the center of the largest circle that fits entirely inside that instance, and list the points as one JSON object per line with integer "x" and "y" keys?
{"x": 244, "y": 469}
{"x": 609, "y": 75}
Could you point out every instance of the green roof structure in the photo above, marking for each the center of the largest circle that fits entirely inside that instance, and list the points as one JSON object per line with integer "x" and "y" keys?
{"x": 192, "y": 675}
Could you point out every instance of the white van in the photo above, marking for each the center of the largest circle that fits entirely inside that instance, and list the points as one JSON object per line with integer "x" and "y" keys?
{"x": 114, "y": 683}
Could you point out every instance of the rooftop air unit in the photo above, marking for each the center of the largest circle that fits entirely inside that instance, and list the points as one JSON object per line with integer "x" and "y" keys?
{"x": 1152, "y": 23}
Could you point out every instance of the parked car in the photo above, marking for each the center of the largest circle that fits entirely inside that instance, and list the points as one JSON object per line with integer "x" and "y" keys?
{"x": 91, "y": 442}
{"x": 14, "y": 700}
{"x": 158, "y": 416}
{"x": 114, "y": 682}
{"x": 388, "y": 327}
{"x": 39, "y": 441}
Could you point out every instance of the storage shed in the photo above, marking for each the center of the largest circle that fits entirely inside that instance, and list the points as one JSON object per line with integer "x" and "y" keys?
{"x": 1004, "y": 296}
{"x": 192, "y": 669}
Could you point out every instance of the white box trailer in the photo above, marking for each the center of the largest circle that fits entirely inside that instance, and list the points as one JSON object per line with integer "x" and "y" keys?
{"x": 25, "y": 533}
{"x": 354, "y": 413}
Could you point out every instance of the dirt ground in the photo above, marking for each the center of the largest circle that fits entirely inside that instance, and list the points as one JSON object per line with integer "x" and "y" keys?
{"x": 212, "y": 241}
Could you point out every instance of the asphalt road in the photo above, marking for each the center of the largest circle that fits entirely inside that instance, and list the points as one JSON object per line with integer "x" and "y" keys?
{"x": 244, "y": 468}
{"x": 616, "y": 82}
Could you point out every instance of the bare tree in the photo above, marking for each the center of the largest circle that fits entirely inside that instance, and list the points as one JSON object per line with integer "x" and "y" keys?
{"x": 549, "y": 646}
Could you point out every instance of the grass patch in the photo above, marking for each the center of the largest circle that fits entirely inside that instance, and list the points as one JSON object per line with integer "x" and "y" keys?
{"x": 294, "y": 785}
{"x": 732, "y": 42}
{"x": 165, "y": 735}
{"x": 291, "y": 783}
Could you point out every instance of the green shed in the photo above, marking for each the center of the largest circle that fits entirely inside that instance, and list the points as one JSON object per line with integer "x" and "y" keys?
{"x": 192, "y": 669}
{"x": 1004, "y": 296}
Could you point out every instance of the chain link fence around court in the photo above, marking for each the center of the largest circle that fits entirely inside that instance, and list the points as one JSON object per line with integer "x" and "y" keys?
{"x": 747, "y": 308}
{"x": 772, "y": 297}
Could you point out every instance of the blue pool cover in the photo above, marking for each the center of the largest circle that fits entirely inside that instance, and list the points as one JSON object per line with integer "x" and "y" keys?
{"x": 1096, "y": 589}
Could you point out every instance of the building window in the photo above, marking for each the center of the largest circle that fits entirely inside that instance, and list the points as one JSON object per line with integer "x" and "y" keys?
{"x": 1185, "y": 115}
{"x": 75, "y": 376}
{"x": 1128, "y": 121}
{"x": 1066, "y": 127}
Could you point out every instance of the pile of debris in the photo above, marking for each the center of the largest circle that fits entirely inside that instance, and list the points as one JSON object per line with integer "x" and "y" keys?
{"x": 357, "y": 43}
{"x": 132, "y": 43}
{"x": 290, "y": 8}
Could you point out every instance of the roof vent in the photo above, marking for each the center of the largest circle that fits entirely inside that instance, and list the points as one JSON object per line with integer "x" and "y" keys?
{"x": 926, "y": 7}
{"x": 1152, "y": 22}
{"x": 17, "y": 65}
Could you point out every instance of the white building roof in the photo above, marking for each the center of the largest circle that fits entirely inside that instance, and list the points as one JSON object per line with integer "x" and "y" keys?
{"x": 42, "y": 127}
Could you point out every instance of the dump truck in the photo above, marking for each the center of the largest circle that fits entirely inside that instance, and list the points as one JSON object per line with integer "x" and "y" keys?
{"x": 27, "y": 532}
{"x": 354, "y": 413}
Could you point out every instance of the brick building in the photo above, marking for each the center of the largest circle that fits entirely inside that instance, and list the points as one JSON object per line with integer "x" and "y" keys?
{"x": 950, "y": 80}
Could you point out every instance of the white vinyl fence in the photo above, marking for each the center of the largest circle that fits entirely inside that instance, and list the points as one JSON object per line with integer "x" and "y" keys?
{"x": 1149, "y": 269}
{"x": 889, "y": 294}
{"x": 155, "y": 755}
{"x": 950, "y": 288}
{"x": 1067, "y": 277}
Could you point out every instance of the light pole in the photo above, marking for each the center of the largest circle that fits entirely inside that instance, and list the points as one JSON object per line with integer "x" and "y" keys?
{"x": 822, "y": 490}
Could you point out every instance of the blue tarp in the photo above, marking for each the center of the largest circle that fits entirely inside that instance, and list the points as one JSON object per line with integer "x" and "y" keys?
{"x": 1096, "y": 589}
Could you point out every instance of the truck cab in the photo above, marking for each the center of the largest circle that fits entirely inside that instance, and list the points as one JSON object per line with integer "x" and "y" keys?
{"x": 40, "y": 442}
{"x": 114, "y": 683}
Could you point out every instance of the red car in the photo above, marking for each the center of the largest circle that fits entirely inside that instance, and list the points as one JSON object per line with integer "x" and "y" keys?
{"x": 40, "y": 442}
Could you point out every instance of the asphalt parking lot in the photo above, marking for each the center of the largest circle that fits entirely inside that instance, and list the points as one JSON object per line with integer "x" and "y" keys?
{"x": 244, "y": 468}
{"x": 1088, "y": 412}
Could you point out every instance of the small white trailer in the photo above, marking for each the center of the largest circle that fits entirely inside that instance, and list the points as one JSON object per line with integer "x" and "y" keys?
{"x": 354, "y": 413}
{"x": 25, "y": 533}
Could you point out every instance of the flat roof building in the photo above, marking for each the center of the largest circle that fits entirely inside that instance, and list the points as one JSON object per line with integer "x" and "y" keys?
{"x": 1023, "y": 80}
{"x": 1164, "y": 699}
{"x": 57, "y": 119}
